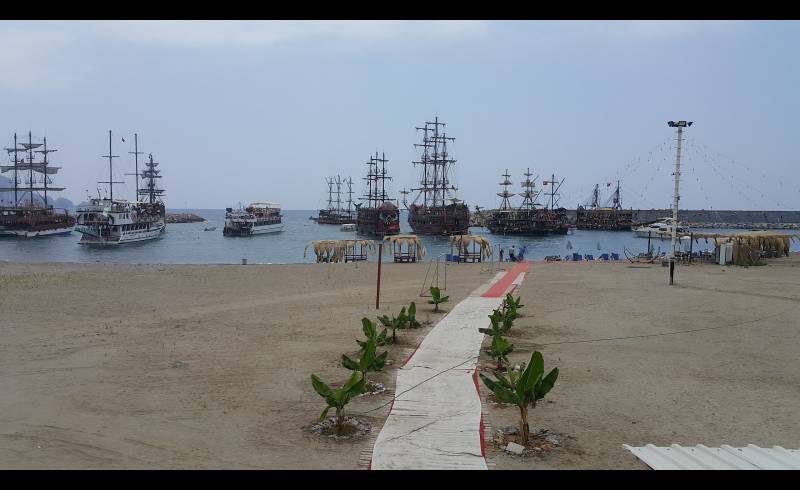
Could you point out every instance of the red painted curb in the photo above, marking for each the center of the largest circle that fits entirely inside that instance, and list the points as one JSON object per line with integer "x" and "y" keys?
{"x": 499, "y": 288}
{"x": 481, "y": 429}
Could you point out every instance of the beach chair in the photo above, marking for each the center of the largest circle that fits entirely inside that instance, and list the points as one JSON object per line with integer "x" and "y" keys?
{"x": 577, "y": 256}
{"x": 589, "y": 257}
{"x": 566, "y": 257}
{"x": 614, "y": 256}
{"x": 603, "y": 257}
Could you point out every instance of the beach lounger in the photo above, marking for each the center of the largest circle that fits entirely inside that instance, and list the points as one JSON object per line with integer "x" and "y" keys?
{"x": 589, "y": 257}
{"x": 614, "y": 256}
{"x": 577, "y": 256}
{"x": 603, "y": 257}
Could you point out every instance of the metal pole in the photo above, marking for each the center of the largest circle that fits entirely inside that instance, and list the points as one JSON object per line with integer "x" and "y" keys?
{"x": 378, "y": 289}
{"x": 648, "y": 243}
{"x": 677, "y": 195}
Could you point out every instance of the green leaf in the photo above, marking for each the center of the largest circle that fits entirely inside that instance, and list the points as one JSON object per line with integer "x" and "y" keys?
{"x": 348, "y": 363}
{"x": 502, "y": 393}
{"x": 368, "y": 327}
{"x": 547, "y": 384}
{"x": 324, "y": 414}
{"x": 320, "y": 387}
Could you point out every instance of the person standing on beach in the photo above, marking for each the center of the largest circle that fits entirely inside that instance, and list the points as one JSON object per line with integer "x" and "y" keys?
{"x": 511, "y": 253}
{"x": 501, "y": 254}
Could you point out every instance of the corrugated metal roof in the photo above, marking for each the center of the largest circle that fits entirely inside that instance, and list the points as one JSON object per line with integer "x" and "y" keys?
{"x": 700, "y": 457}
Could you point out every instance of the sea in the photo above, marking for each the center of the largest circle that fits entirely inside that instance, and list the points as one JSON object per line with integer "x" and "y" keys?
{"x": 203, "y": 243}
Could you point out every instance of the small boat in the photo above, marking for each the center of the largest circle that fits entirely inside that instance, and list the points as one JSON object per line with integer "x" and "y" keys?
{"x": 210, "y": 228}
{"x": 348, "y": 227}
{"x": 661, "y": 229}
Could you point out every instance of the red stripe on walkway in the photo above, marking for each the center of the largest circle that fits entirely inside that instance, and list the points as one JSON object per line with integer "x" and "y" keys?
{"x": 500, "y": 287}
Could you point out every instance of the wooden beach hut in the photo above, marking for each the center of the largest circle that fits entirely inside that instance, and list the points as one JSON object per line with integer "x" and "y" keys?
{"x": 414, "y": 250}
{"x": 479, "y": 251}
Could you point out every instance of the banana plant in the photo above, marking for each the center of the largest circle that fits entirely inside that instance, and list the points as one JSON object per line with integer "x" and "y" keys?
{"x": 338, "y": 398}
{"x": 523, "y": 389}
{"x": 371, "y": 333}
{"x": 412, "y": 316}
{"x": 499, "y": 349}
{"x": 511, "y": 304}
{"x": 437, "y": 298}
{"x": 395, "y": 323}
{"x": 368, "y": 362}
{"x": 500, "y": 324}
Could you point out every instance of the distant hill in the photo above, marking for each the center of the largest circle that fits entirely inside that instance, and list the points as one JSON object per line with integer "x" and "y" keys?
{"x": 7, "y": 198}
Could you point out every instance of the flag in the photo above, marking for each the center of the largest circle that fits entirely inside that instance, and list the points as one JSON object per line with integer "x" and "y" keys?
{"x": 608, "y": 184}
{"x": 123, "y": 140}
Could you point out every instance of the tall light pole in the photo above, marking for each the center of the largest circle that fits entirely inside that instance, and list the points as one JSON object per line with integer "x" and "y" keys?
{"x": 676, "y": 198}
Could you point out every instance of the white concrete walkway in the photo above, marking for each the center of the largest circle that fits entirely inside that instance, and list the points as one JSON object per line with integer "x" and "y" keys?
{"x": 435, "y": 421}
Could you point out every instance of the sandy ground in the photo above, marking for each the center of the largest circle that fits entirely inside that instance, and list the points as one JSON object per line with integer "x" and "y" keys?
{"x": 112, "y": 366}
{"x": 736, "y": 384}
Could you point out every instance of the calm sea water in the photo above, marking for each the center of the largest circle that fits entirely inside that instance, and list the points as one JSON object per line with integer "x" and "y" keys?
{"x": 188, "y": 243}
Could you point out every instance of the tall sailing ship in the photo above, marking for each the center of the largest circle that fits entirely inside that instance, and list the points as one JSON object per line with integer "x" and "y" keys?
{"x": 30, "y": 213}
{"x": 109, "y": 221}
{"x": 377, "y": 215}
{"x": 435, "y": 210}
{"x": 336, "y": 213}
{"x": 530, "y": 218}
{"x": 595, "y": 217}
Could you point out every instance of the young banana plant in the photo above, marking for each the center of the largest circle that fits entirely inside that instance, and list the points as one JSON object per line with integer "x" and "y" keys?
{"x": 395, "y": 323}
{"x": 523, "y": 389}
{"x": 499, "y": 349}
{"x": 412, "y": 316}
{"x": 368, "y": 362}
{"x": 371, "y": 333}
{"x": 437, "y": 298}
{"x": 338, "y": 398}
{"x": 500, "y": 324}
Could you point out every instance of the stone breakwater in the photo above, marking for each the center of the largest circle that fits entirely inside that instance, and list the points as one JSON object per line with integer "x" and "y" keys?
{"x": 183, "y": 218}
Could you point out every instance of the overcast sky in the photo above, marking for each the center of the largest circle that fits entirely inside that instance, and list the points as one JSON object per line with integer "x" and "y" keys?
{"x": 248, "y": 111}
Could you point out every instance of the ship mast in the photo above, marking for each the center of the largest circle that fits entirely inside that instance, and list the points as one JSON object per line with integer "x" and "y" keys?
{"x": 595, "y": 196}
{"x": 150, "y": 173}
{"x": 44, "y": 168}
{"x": 505, "y": 204}
{"x": 553, "y": 190}
{"x": 110, "y": 181}
{"x": 349, "y": 182}
{"x": 136, "y": 154}
{"x": 435, "y": 161}
{"x": 617, "y": 204}
{"x": 528, "y": 195}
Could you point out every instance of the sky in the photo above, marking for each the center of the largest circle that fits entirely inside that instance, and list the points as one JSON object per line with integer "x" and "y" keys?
{"x": 241, "y": 111}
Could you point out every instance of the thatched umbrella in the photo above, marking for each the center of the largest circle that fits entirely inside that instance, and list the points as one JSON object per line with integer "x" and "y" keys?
{"x": 325, "y": 250}
{"x": 412, "y": 242}
{"x": 462, "y": 242}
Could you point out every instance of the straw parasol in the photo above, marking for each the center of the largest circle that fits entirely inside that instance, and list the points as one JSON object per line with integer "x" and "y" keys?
{"x": 412, "y": 242}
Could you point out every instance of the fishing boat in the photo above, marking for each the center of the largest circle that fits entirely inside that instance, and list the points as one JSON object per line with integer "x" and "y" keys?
{"x": 377, "y": 214}
{"x": 107, "y": 221}
{"x": 336, "y": 213}
{"x": 255, "y": 219}
{"x": 610, "y": 218}
{"x": 34, "y": 216}
{"x": 530, "y": 218}
{"x": 661, "y": 229}
{"x": 436, "y": 210}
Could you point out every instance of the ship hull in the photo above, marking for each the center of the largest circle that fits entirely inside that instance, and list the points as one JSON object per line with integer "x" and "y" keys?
{"x": 255, "y": 230}
{"x": 439, "y": 220}
{"x": 34, "y": 222}
{"x": 377, "y": 222}
{"x": 91, "y": 236}
{"x": 604, "y": 219}
{"x": 527, "y": 223}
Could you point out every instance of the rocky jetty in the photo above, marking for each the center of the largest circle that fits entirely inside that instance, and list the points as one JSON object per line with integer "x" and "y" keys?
{"x": 184, "y": 218}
